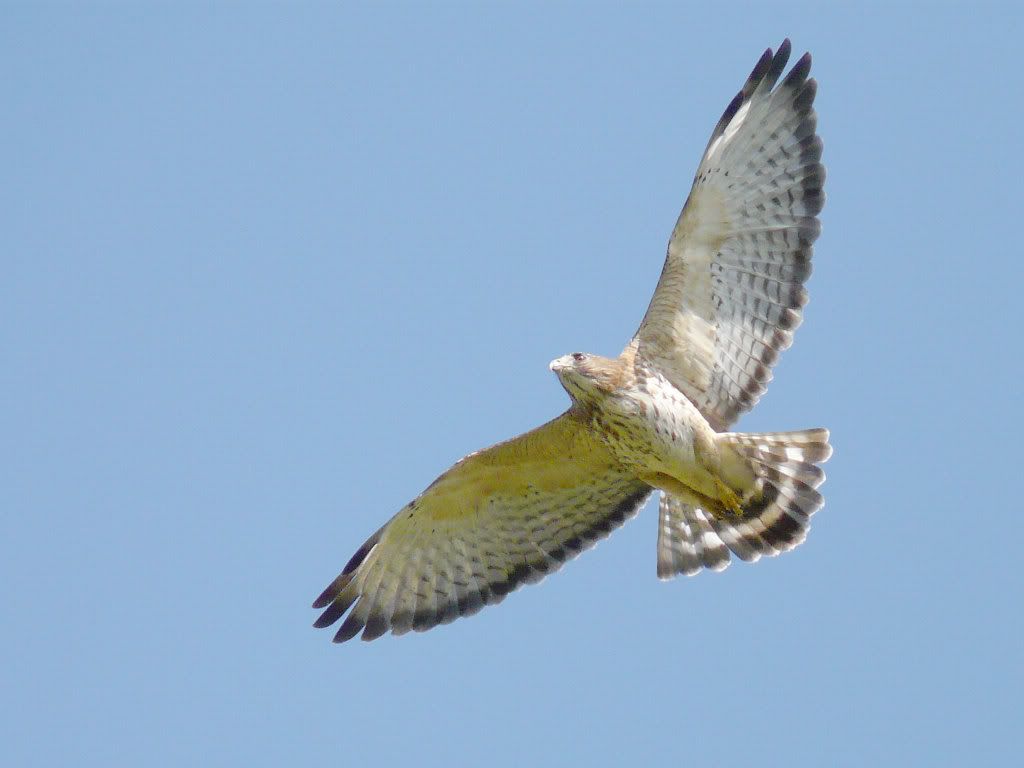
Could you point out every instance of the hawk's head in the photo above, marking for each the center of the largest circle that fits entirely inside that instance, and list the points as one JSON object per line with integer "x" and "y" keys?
{"x": 588, "y": 377}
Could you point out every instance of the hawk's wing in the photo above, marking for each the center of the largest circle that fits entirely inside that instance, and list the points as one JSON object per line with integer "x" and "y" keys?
{"x": 730, "y": 293}
{"x": 499, "y": 518}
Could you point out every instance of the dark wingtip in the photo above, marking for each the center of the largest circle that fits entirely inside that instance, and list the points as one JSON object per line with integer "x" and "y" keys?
{"x": 331, "y": 615}
{"x": 758, "y": 72}
{"x": 325, "y": 598}
{"x": 376, "y": 626}
{"x": 332, "y": 591}
{"x": 799, "y": 72}
{"x": 349, "y": 629}
{"x": 768, "y": 68}
{"x": 340, "y": 602}
{"x": 357, "y": 559}
{"x": 778, "y": 64}
{"x": 805, "y": 99}
{"x": 335, "y": 587}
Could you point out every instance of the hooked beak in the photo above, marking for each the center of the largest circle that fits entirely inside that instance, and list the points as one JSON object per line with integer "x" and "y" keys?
{"x": 560, "y": 363}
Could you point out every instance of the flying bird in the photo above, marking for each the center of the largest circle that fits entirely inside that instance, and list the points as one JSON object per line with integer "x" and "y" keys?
{"x": 654, "y": 418}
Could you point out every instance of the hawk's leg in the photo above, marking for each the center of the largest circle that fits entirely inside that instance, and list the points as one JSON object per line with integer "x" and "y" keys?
{"x": 728, "y": 501}
{"x": 726, "y": 504}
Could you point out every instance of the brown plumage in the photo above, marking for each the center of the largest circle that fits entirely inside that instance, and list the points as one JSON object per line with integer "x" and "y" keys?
{"x": 726, "y": 305}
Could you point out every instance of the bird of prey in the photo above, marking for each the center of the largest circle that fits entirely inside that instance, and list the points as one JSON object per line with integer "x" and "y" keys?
{"x": 653, "y": 418}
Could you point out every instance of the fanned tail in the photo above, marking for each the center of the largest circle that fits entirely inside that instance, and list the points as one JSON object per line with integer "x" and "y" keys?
{"x": 774, "y": 514}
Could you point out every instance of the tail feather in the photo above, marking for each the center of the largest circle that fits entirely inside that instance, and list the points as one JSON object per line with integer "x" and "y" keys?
{"x": 785, "y": 494}
{"x": 771, "y": 448}
{"x": 687, "y": 541}
{"x": 775, "y": 513}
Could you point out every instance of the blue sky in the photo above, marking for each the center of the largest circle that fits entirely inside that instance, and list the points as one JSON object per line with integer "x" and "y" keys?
{"x": 268, "y": 271}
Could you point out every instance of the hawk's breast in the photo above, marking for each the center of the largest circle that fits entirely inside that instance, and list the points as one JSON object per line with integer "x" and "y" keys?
{"x": 651, "y": 426}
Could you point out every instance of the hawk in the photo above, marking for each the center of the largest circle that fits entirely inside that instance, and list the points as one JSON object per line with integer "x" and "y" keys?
{"x": 655, "y": 418}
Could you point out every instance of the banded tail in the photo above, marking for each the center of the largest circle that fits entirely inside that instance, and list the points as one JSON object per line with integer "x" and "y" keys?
{"x": 774, "y": 514}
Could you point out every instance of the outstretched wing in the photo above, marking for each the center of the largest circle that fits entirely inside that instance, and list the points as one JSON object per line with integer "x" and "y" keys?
{"x": 731, "y": 291}
{"x": 499, "y": 518}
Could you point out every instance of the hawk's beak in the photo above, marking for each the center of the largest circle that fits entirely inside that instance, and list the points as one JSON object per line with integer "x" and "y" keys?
{"x": 558, "y": 364}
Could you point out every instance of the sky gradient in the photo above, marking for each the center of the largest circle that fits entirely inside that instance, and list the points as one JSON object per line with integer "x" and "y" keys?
{"x": 267, "y": 272}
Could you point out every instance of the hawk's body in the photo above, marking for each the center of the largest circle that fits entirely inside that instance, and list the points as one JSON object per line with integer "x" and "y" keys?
{"x": 726, "y": 305}
{"x": 647, "y": 424}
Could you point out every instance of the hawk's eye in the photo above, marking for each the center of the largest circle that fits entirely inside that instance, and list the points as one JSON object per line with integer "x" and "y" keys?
{"x": 578, "y": 356}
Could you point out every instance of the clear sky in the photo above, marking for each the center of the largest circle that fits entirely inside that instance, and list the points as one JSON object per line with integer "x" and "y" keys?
{"x": 267, "y": 272}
